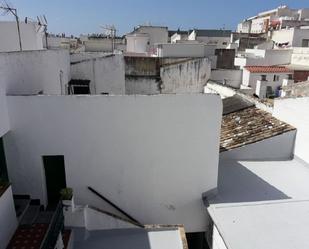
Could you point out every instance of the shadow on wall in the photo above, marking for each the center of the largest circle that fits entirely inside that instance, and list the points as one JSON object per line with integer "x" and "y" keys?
{"x": 238, "y": 184}
{"x": 121, "y": 239}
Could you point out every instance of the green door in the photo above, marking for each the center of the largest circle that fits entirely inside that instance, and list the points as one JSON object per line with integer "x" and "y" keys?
{"x": 3, "y": 168}
{"x": 55, "y": 178}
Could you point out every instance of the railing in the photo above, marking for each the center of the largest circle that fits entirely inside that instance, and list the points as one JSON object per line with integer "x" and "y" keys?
{"x": 114, "y": 205}
{"x": 56, "y": 226}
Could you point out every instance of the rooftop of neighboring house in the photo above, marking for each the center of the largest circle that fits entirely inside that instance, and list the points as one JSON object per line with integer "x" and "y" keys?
{"x": 249, "y": 126}
{"x": 268, "y": 69}
{"x": 180, "y": 32}
{"x": 150, "y": 26}
{"x": 234, "y": 104}
{"x": 300, "y": 89}
{"x": 212, "y": 32}
{"x": 268, "y": 198}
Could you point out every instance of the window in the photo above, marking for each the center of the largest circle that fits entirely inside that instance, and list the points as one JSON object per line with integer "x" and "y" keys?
{"x": 79, "y": 87}
{"x": 290, "y": 76}
{"x": 276, "y": 77}
{"x": 305, "y": 43}
{"x": 263, "y": 77}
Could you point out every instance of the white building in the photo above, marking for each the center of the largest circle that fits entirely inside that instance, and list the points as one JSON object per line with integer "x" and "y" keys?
{"x": 220, "y": 38}
{"x": 263, "y": 57}
{"x": 185, "y": 50}
{"x": 31, "y": 35}
{"x": 179, "y": 36}
{"x": 144, "y": 38}
{"x": 266, "y": 81}
{"x": 275, "y": 19}
{"x": 137, "y": 43}
{"x": 99, "y": 73}
{"x": 293, "y": 37}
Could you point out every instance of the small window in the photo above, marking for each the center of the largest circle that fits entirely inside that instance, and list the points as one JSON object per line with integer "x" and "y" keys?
{"x": 263, "y": 77}
{"x": 276, "y": 77}
{"x": 290, "y": 76}
{"x": 78, "y": 87}
{"x": 224, "y": 43}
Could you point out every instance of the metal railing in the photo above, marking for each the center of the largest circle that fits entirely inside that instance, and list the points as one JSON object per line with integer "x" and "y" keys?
{"x": 114, "y": 205}
{"x": 56, "y": 226}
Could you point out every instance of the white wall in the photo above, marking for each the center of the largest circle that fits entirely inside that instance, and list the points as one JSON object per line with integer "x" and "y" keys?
{"x": 181, "y": 50}
{"x": 156, "y": 34}
{"x": 295, "y": 112}
{"x": 232, "y": 78}
{"x": 106, "y": 73}
{"x": 217, "y": 240}
{"x": 152, "y": 155}
{"x": 293, "y": 36}
{"x": 4, "y": 124}
{"x": 142, "y": 86}
{"x": 30, "y": 72}
{"x": 279, "y": 147}
{"x": 300, "y": 56}
{"x": 250, "y": 79}
{"x": 137, "y": 43}
{"x": 95, "y": 220}
{"x": 9, "y": 41}
{"x": 187, "y": 77}
{"x": 8, "y": 218}
{"x": 261, "y": 57}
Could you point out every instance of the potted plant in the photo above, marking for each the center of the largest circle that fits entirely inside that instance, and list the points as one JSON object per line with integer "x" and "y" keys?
{"x": 67, "y": 197}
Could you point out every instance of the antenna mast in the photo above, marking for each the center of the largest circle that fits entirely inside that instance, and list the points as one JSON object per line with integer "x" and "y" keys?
{"x": 111, "y": 30}
{"x": 7, "y": 9}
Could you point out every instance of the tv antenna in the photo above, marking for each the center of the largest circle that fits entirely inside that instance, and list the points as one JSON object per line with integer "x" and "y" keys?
{"x": 7, "y": 9}
{"x": 110, "y": 30}
{"x": 43, "y": 23}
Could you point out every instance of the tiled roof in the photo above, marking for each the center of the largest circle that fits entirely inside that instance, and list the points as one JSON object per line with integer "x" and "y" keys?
{"x": 234, "y": 104}
{"x": 249, "y": 126}
{"x": 268, "y": 69}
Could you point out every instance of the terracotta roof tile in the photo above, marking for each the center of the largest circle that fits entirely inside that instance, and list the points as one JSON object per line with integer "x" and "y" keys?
{"x": 268, "y": 69}
{"x": 249, "y": 126}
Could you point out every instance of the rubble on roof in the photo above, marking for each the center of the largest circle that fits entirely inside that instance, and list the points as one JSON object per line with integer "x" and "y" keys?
{"x": 249, "y": 126}
{"x": 297, "y": 90}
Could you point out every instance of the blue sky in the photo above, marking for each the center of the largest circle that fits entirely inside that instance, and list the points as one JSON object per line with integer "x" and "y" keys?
{"x": 86, "y": 16}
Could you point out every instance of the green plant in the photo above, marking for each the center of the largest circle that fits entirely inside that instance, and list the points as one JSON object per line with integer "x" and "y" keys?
{"x": 66, "y": 193}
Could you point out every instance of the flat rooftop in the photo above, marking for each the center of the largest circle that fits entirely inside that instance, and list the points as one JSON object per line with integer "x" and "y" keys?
{"x": 262, "y": 204}
{"x": 271, "y": 225}
{"x": 249, "y": 126}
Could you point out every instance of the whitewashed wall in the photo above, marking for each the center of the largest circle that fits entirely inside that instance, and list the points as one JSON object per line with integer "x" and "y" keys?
{"x": 8, "y": 218}
{"x": 156, "y": 34}
{"x": 181, "y": 50}
{"x": 106, "y": 73}
{"x": 300, "y": 56}
{"x": 250, "y": 79}
{"x": 152, "y": 155}
{"x": 30, "y": 72}
{"x": 142, "y": 86}
{"x": 187, "y": 77}
{"x": 279, "y": 147}
{"x": 232, "y": 78}
{"x": 217, "y": 240}
{"x": 9, "y": 41}
{"x": 295, "y": 112}
{"x": 4, "y": 124}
